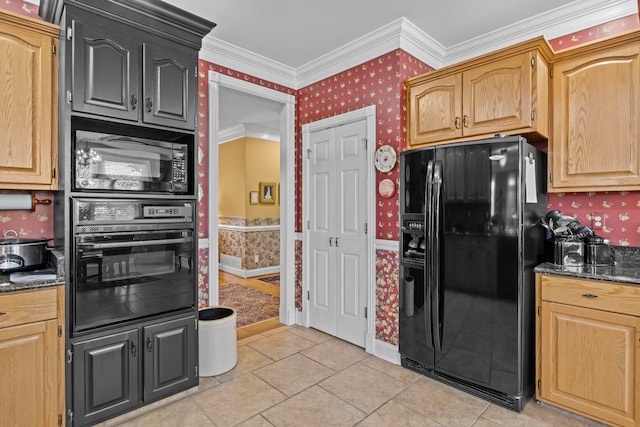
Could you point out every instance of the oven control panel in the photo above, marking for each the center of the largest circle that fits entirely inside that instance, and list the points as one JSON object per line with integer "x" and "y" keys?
{"x": 165, "y": 211}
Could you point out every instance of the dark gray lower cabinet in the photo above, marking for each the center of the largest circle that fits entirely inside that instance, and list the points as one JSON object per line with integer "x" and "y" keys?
{"x": 105, "y": 376}
{"x": 115, "y": 373}
{"x": 170, "y": 358}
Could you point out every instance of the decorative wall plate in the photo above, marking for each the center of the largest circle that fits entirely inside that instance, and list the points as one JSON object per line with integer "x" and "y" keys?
{"x": 386, "y": 188}
{"x": 385, "y": 158}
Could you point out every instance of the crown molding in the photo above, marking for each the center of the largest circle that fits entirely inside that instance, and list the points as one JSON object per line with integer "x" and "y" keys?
{"x": 225, "y": 54}
{"x": 248, "y": 131}
{"x": 421, "y": 45}
{"x": 398, "y": 34}
{"x": 561, "y": 21}
{"x": 402, "y": 34}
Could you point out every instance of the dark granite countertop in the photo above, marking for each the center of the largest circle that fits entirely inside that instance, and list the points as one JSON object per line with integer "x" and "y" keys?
{"x": 56, "y": 265}
{"x": 625, "y": 269}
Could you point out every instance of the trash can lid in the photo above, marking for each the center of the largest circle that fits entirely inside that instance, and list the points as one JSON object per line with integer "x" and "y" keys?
{"x": 215, "y": 313}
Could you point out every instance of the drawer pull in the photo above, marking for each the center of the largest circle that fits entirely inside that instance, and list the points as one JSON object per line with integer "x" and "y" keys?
{"x": 3, "y": 313}
{"x": 590, "y": 296}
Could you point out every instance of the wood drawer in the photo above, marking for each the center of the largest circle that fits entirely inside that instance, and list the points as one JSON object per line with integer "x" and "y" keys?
{"x": 596, "y": 294}
{"x": 18, "y": 308}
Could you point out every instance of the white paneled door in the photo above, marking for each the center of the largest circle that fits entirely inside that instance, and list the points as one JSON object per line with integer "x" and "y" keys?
{"x": 337, "y": 231}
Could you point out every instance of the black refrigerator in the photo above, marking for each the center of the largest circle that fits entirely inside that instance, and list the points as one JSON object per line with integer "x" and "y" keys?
{"x": 469, "y": 241}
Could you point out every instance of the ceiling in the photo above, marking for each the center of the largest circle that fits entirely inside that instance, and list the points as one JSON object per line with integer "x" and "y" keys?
{"x": 294, "y": 42}
{"x": 295, "y": 32}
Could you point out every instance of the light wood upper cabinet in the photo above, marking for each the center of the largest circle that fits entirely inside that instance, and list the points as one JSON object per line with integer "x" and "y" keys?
{"x": 28, "y": 111}
{"x": 497, "y": 97}
{"x": 435, "y": 110}
{"x": 596, "y": 94}
{"x": 588, "y": 356}
{"x": 503, "y": 92}
{"x": 32, "y": 358}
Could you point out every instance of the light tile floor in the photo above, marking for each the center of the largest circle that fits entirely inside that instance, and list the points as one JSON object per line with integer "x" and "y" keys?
{"x": 294, "y": 376}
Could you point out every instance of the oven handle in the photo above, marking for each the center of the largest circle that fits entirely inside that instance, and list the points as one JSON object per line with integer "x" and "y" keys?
{"x": 111, "y": 245}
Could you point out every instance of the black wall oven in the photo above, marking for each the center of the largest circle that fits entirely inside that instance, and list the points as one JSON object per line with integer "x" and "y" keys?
{"x": 132, "y": 260}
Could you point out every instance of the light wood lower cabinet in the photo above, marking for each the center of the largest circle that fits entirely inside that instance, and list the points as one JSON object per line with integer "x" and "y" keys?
{"x": 588, "y": 347}
{"x": 32, "y": 358}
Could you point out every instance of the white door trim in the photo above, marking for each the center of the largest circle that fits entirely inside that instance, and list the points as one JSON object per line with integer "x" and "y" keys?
{"x": 368, "y": 113}
{"x": 287, "y": 187}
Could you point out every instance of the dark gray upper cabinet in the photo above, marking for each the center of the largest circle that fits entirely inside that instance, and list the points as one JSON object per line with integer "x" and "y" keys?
{"x": 169, "y": 86}
{"x": 105, "y": 68}
{"x": 121, "y": 72}
{"x": 133, "y": 60}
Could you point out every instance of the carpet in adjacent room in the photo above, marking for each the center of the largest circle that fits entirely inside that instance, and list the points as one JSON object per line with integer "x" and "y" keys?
{"x": 272, "y": 280}
{"x": 251, "y": 306}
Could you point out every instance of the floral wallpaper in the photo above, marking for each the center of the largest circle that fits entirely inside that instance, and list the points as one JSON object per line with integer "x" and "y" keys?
{"x": 21, "y": 7}
{"x": 298, "y": 274}
{"x": 246, "y": 244}
{"x": 621, "y": 209}
{"x": 378, "y": 82}
{"x": 387, "y": 296}
{"x": 621, "y": 212}
{"x": 598, "y": 32}
{"x": 33, "y": 224}
{"x": 203, "y": 275}
{"x": 203, "y": 145}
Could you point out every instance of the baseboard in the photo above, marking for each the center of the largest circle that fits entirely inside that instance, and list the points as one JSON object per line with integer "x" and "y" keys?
{"x": 235, "y": 271}
{"x": 263, "y": 271}
{"x": 386, "y": 351}
{"x": 249, "y": 273}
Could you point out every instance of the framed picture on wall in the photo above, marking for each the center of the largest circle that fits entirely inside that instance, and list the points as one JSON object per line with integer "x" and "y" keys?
{"x": 253, "y": 197}
{"x": 267, "y": 193}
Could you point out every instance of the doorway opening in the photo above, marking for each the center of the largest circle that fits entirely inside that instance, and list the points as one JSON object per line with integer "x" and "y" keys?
{"x": 220, "y": 86}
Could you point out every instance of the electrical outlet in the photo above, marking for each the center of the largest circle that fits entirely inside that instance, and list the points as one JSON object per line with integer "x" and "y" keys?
{"x": 597, "y": 221}
{"x": 256, "y": 258}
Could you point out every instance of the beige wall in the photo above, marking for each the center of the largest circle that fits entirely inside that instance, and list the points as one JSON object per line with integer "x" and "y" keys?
{"x": 232, "y": 199}
{"x": 242, "y": 165}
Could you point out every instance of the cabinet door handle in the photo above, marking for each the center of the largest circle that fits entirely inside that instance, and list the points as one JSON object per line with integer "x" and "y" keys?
{"x": 590, "y": 296}
{"x": 465, "y": 121}
{"x": 330, "y": 241}
{"x": 456, "y": 122}
{"x": 337, "y": 242}
{"x": 134, "y": 349}
{"x": 134, "y": 101}
{"x": 149, "y": 104}
{"x": 149, "y": 344}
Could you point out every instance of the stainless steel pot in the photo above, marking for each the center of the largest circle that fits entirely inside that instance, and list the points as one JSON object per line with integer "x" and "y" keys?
{"x": 21, "y": 254}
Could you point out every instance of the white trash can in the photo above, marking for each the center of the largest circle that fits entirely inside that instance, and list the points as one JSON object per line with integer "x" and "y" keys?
{"x": 218, "y": 352}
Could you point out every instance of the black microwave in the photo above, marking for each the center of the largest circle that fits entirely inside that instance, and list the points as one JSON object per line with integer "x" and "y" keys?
{"x": 122, "y": 164}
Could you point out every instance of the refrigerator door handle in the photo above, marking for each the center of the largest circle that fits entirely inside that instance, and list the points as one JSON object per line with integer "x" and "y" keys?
{"x": 437, "y": 311}
{"x": 428, "y": 195}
